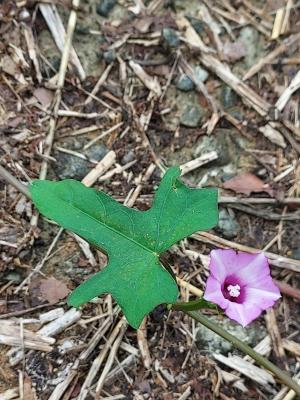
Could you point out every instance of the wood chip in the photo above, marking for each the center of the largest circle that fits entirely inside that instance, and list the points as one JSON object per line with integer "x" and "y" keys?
{"x": 258, "y": 375}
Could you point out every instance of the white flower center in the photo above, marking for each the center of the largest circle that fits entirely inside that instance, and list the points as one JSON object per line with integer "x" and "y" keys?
{"x": 234, "y": 290}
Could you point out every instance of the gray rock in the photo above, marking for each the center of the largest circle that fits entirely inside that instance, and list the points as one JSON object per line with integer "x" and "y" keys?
{"x": 171, "y": 37}
{"x": 231, "y": 158}
{"x": 13, "y": 276}
{"x": 110, "y": 56}
{"x": 72, "y": 167}
{"x": 228, "y": 225}
{"x": 128, "y": 157}
{"x": 191, "y": 116}
{"x": 296, "y": 254}
{"x": 221, "y": 143}
{"x": 201, "y": 73}
{"x": 252, "y": 41}
{"x": 104, "y": 7}
{"x": 209, "y": 342}
{"x": 228, "y": 97}
{"x": 96, "y": 152}
{"x": 185, "y": 84}
{"x": 81, "y": 28}
{"x": 197, "y": 24}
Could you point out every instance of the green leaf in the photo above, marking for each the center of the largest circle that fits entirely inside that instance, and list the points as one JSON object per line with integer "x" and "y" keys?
{"x": 132, "y": 239}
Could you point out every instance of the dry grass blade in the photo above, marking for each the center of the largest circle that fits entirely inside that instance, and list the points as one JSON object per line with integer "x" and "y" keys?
{"x": 287, "y": 93}
{"x": 53, "y": 20}
{"x": 98, "y": 361}
{"x": 258, "y": 375}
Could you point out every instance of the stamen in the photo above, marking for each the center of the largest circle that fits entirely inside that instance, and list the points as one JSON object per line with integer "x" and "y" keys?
{"x": 234, "y": 290}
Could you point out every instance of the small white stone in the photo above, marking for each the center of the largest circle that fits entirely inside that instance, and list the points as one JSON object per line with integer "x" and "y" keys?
{"x": 234, "y": 290}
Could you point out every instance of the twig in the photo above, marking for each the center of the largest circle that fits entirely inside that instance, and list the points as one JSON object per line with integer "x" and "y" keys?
{"x": 99, "y": 360}
{"x": 107, "y": 161}
{"x": 40, "y": 265}
{"x": 143, "y": 344}
{"x": 9, "y": 178}
{"x": 198, "y": 162}
{"x": 103, "y": 134}
{"x": 285, "y": 96}
{"x": 294, "y": 39}
{"x": 110, "y": 360}
{"x": 274, "y": 259}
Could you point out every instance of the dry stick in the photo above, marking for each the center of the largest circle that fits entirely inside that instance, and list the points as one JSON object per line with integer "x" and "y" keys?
{"x": 99, "y": 360}
{"x": 40, "y": 265}
{"x": 56, "y": 27}
{"x": 258, "y": 200}
{"x": 281, "y": 375}
{"x": 143, "y": 344}
{"x": 285, "y": 96}
{"x": 100, "y": 82}
{"x": 110, "y": 360}
{"x": 274, "y": 259}
{"x": 60, "y": 83}
{"x": 9, "y": 178}
{"x": 62, "y": 386}
{"x": 292, "y": 40}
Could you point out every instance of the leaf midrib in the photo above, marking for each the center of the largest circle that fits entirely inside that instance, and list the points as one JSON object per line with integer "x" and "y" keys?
{"x": 113, "y": 229}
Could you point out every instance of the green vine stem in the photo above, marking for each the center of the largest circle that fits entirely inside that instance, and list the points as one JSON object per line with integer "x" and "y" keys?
{"x": 193, "y": 305}
{"x": 281, "y": 375}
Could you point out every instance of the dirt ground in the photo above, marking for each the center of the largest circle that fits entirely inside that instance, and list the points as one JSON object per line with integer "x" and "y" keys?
{"x": 149, "y": 84}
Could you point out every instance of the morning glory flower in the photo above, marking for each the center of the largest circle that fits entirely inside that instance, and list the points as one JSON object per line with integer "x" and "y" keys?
{"x": 241, "y": 284}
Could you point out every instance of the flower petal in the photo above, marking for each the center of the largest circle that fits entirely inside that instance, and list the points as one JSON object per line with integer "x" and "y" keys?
{"x": 225, "y": 263}
{"x": 242, "y": 313}
{"x": 257, "y": 269}
{"x": 262, "y": 298}
{"x": 213, "y": 292}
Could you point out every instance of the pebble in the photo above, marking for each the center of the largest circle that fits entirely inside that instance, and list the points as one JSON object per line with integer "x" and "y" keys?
{"x": 191, "y": 116}
{"x": 110, "y": 56}
{"x": 72, "y": 167}
{"x": 104, "y": 7}
{"x": 251, "y": 39}
{"x": 296, "y": 254}
{"x": 198, "y": 25}
{"x": 13, "y": 276}
{"x": 171, "y": 37}
{"x": 228, "y": 225}
{"x": 185, "y": 84}
{"x": 228, "y": 97}
{"x": 128, "y": 157}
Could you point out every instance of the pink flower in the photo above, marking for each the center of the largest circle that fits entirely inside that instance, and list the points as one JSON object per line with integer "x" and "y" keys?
{"x": 241, "y": 284}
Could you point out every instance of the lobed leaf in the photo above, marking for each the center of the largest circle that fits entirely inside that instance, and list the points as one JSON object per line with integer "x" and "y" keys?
{"x": 132, "y": 239}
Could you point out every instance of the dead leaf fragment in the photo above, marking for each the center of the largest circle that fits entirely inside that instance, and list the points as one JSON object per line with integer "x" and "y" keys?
{"x": 53, "y": 290}
{"x": 247, "y": 183}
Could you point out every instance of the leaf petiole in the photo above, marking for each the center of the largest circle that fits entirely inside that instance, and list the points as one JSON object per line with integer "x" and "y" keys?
{"x": 193, "y": 305}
